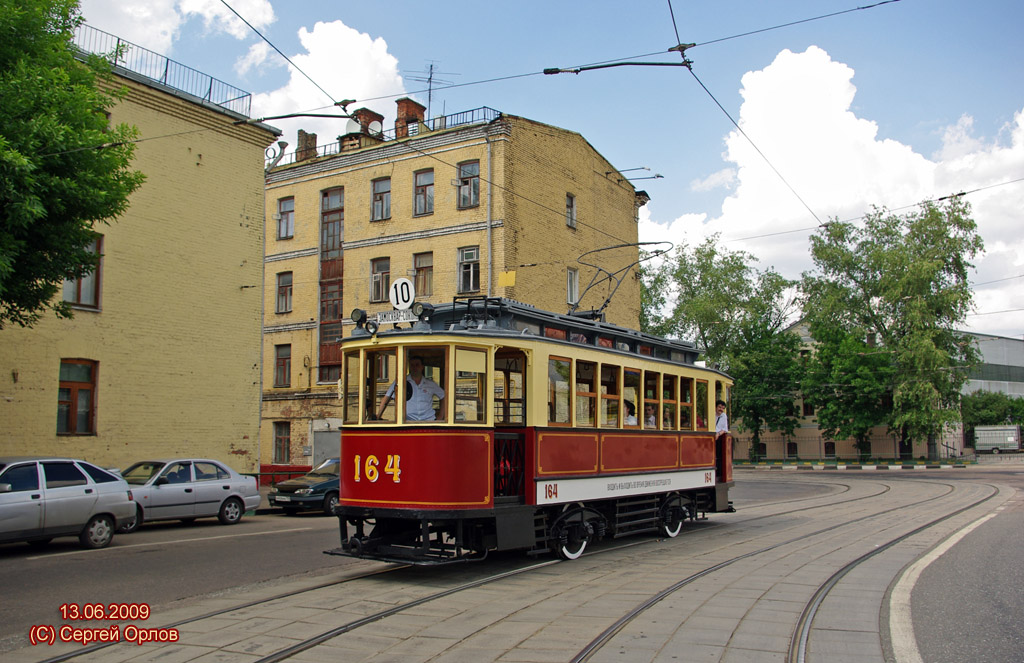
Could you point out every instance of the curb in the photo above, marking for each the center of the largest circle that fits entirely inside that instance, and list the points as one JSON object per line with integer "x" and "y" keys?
{"x": 833, "y": 468}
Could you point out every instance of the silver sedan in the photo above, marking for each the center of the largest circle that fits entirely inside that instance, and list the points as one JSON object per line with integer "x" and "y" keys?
{"x": 42, "y": 498}
{"x": 189, "y": 488}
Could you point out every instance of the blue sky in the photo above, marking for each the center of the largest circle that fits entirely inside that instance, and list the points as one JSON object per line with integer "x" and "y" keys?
{"x": 884, "y": 106}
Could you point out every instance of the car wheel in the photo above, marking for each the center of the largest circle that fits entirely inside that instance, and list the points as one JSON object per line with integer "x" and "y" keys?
{"x": 98, "y": 532}
{"x": 131, "y": 524}
{"x": 330, "y": 502}
{"x": 231, "y": 511}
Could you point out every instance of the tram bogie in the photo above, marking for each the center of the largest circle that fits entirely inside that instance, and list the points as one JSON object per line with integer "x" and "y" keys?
{"x": 531, "y": 440}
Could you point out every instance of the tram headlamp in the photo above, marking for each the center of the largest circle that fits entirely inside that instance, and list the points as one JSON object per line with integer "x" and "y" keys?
{"x": 372, "y": 327}
{"x": 423, "y": 310}
{"x": 358, "y": 316}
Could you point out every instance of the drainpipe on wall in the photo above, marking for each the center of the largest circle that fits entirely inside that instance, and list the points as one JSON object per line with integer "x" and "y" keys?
{"x": 490, "y": 208}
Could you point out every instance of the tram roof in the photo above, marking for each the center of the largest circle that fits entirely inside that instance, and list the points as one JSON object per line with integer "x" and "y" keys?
{"x": 495, "y": 316}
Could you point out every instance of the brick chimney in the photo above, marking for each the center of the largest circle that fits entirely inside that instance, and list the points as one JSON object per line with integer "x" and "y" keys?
{"x": 409, "y": 112}
{"x": 306, "y": 149}
{"x": 364, "y": 116}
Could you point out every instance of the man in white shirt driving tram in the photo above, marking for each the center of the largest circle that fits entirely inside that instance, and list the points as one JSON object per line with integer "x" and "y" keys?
{"x": 419, "y": 401}
{"x": 721, "y": 420}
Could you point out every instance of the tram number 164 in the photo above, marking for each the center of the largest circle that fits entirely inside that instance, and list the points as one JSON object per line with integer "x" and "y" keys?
{"x": 550, "y": 491}
{"x": 370, "y": 470}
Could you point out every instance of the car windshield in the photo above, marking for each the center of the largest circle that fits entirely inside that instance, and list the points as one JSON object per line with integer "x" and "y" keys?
{"x": 140, "y": 473}
{"x": 329, "y": 468}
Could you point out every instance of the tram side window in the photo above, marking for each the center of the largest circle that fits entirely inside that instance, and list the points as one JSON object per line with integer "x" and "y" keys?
{"x": 509, "y": 385}
{"x": 380, "y": 366}
{"x": 610, "y": 396}
{"x": 630, "y": 395}
{"x": 686, "y": 403}
{"x": 668, "y": 406}
{"x": 350, "y": 389}
{"x": 652, "y": 405}
{"x": 700, "y": 405}
{"x": 470, "y": 376}
{"x": 586, "y": 393}
{"x": 559, "y": 402}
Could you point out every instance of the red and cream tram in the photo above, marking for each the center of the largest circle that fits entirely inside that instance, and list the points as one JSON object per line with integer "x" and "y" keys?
{"x": 544, "y": 432}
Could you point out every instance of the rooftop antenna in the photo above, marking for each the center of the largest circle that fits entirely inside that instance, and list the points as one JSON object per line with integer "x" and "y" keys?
{"x": 617, "y": 276}
{"x": 430, "y": 77}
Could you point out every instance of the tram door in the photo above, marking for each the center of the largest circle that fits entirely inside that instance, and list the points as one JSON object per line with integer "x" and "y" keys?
{"x": 509, "y": 423}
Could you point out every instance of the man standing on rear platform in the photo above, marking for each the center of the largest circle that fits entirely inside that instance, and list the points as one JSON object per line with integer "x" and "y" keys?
{"x": 721, "y": 420}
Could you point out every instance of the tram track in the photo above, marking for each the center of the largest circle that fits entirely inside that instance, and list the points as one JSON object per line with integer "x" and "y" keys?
{"x": 800, "y": 639}
{"x": 354, "y": 624}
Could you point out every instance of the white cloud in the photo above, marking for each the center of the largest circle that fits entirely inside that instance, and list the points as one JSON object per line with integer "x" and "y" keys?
{"x": 724, "y": 178}
{"x": 348, "y": 64}
{"x": 255, "y": 57}
{"x": 155, "y": 24}
{"x": 798, "y": 112}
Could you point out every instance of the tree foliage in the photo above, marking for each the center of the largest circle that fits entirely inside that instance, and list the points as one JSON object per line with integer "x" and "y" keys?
{"x": 849, "y": 383}
{"x": 990, "y": 408}
{"x": 904, "y": 279}
{"x": 62, "y": 169}
{"x": 737, "y": 314}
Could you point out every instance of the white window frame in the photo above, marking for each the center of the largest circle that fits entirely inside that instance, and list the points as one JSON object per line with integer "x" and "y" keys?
{"x": 572, "y": 285}
{"x": 570, "y": 210}
{"x": 379, "y": 281}
{"x": 469, "y": 266}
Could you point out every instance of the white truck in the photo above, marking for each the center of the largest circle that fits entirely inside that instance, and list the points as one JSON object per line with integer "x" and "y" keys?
{"x": 996, "y": 439}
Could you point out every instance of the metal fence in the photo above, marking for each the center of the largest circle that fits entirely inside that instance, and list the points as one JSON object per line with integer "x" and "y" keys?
{"x": 481, "y": 115}
{"x": 162, "y": 69}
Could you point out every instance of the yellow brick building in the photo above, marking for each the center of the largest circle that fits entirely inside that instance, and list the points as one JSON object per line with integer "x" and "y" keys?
{"x": 478, "y": 203}
{"x": 162, "y": 357}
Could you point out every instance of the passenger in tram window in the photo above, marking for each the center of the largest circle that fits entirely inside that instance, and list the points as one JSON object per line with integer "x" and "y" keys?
{"x": 721, "y": 419}
{"x": 650, "y": 416}
{"x": 630, "y": 413}
{"x": 420, "y": 392}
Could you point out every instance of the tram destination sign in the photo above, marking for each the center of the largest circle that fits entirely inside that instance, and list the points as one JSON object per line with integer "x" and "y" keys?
{"x": 389, "y": 317}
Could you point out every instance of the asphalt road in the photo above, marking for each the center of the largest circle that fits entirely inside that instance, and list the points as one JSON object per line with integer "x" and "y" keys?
{"x": 160, "y": 565}
{"x": 967, "y": 605}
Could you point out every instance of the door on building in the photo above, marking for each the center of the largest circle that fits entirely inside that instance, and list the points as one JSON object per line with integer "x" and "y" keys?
{"x": 326, "y": 445}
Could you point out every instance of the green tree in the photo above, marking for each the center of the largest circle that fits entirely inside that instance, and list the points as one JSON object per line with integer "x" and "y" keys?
{"x": 903, "y": 278}
{"x": 62, "y": 169}
{"x": 849, "y": 383}
{"x": 764, "y": 359}
{"x": 990, "y": 408}
{"x": 737, "y": 314}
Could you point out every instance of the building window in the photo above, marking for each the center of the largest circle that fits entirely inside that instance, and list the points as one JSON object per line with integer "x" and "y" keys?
{"x": 424, "y": 192}
{"x": 830, "y": 449}
{"x": 808, "y": 409}
{"x": 791, "y": 450}
{"x": 330, "y": 302}
{"x": 424, "y": 264}
{"x": 282, "y": 365}
{"x": 76, "y": 397}
{"x": 282, "y": 442}
{"x": 572, "y": 285}
{"x": 469, "y": 269}
{"x": 286, "y": 218}
{"x": 85, "y": 291}
{"x": 381, "y": 199}
{"x": 570, "y": 210}
{"x": 469, "y": 184}
{"x": 332, "y": 223}
{"x": 380, "y": 279}
{"x": 284, "y": 292}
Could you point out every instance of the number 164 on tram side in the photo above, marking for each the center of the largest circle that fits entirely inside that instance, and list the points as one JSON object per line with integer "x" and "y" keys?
{"x": 489, "y": 425}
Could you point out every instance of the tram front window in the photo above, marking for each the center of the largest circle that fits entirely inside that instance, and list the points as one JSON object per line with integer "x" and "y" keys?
{"x": 423, "y": 389}
{"x": 508, "y": 389}
{"x": 381, "y": 366}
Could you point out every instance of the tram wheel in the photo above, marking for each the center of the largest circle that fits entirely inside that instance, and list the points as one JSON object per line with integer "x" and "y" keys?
{"x": 674, "y": 513}
{"x": 574, "y": 540}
